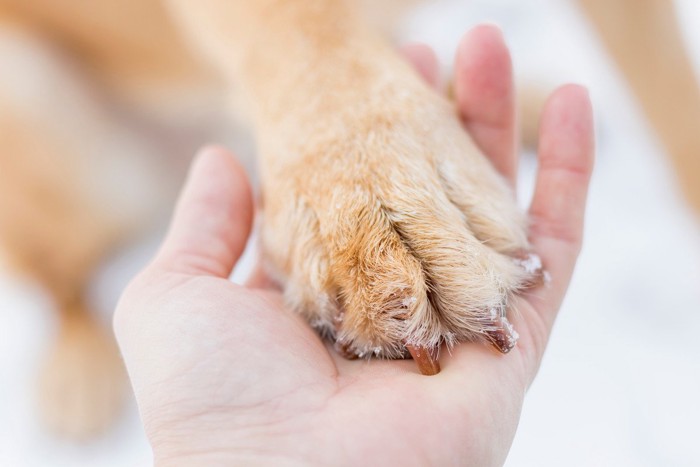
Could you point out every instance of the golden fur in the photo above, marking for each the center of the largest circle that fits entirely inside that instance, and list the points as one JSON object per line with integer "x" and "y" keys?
{"x": 385, "y": 225}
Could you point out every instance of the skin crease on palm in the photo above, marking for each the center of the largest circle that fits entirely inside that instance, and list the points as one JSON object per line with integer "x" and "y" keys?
{"x": 224, "y": 374}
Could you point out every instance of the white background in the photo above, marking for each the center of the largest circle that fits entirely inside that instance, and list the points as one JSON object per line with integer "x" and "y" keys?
{"x": 619, "y": 385}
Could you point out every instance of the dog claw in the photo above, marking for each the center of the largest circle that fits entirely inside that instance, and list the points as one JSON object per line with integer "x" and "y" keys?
{"x": 343, "y": 349}
{"x": 504, "y": 337}
{"x": 426, "y": 358}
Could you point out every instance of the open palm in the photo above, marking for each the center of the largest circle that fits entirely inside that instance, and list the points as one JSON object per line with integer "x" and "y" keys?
{"x": 225, "y": 374}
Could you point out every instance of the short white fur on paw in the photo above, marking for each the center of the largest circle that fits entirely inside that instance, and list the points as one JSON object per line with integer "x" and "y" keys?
{"x": 82, "y": 383}
{"x": 531, "y": 263}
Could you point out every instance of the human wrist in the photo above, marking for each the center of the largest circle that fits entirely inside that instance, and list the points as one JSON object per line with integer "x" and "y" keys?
{"x": 173, "y": 456}
{"x": 257, "y": 444}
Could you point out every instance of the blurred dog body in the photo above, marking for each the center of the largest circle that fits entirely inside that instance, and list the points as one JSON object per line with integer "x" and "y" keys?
{"x": 91, "y": 96}
{"x": 67, "y": 157}
{"x": 91, "y": 93}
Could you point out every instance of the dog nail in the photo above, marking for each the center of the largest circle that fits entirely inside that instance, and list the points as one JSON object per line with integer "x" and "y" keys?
{"x": 504, "y": 337}
{"x": 426, "y": 358}
{"x": 343, "y": 349}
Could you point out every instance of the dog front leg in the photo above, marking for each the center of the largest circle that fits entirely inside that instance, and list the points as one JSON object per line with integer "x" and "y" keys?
{"x": 390, "y": 231}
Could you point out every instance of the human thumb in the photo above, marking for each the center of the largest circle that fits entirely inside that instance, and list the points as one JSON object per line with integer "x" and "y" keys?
{"x": 212, "y": 220}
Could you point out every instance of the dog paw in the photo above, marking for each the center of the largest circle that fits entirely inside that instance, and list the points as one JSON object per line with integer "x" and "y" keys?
{"x": 82, "y": 383}
{"x": 393, "y": 235}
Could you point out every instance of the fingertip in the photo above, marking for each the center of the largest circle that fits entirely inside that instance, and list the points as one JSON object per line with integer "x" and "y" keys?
{"x": 216, "y": 159}
{"x": 567, "y": 128}
{"x": 484, "y": 33}
{"x": 574, "y": 89}
{"x": 485, "y": 95}
{"x": 483, "y": 72}
{"x": 424, "y": 60}
{"x": 572, "y": 99}
{"x": 216, "y": 167}
{"x": 217, "y": 180}
{"x": 571, "y": 96}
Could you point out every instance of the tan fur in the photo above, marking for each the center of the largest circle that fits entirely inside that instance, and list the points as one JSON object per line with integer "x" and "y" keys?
{"x": 407, "y": 220}
{"x": 82, "y": 383}
{"x": 644, "y": 39}
{"x": 58, "y": 218}
{"x": 383, "y": 221}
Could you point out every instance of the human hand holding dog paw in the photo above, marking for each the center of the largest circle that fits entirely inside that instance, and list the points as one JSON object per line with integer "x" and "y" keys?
{"x": 226, "y": 374}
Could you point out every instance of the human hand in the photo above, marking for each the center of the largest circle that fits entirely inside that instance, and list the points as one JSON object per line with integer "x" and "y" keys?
{"x": 226, "y": 374}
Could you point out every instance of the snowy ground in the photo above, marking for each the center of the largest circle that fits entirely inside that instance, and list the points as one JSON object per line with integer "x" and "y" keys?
{"x": 620, "y": 382}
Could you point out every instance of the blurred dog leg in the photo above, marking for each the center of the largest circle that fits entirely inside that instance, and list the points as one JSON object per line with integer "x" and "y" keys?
{"x": 643, "y": 37}
{"x": 55, "y": 222}
{"x": 531, "y": 100}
